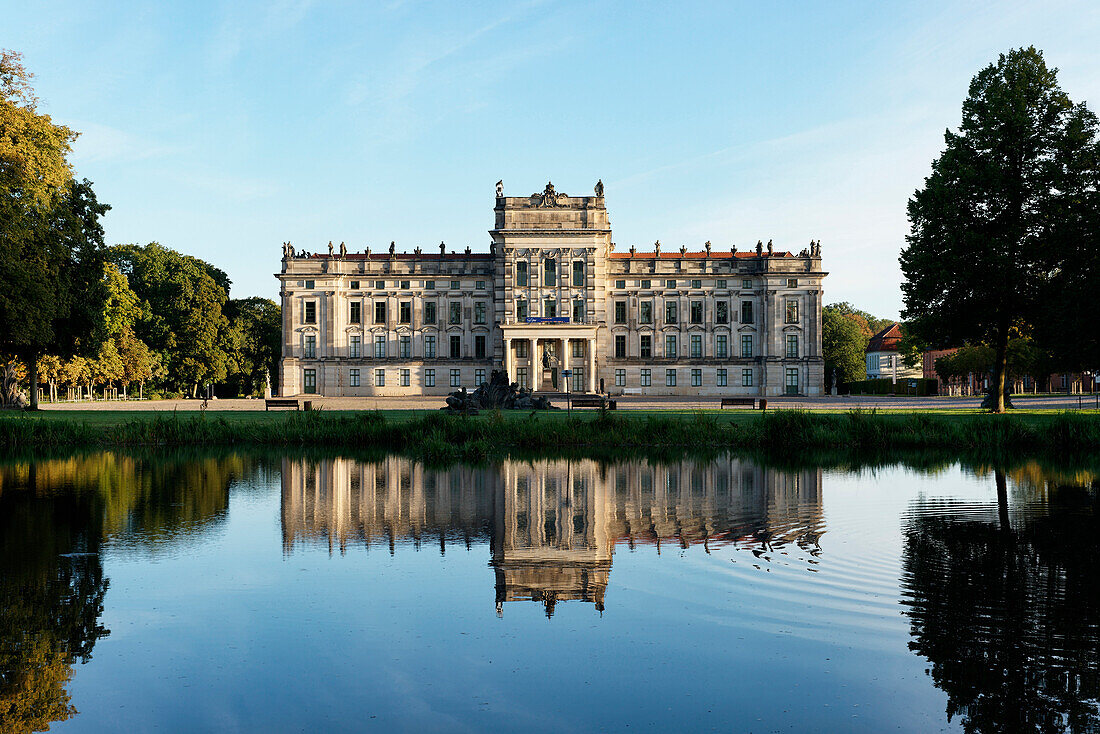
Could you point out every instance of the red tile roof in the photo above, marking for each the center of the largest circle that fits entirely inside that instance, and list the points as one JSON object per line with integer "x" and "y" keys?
{"x": 886, "y": 340}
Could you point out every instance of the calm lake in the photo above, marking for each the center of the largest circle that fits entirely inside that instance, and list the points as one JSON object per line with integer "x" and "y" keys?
{"x": 238, "y": 592}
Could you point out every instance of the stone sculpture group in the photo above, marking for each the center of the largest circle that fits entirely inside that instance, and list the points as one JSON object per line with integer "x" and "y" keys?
{"x": 497, "y": 393}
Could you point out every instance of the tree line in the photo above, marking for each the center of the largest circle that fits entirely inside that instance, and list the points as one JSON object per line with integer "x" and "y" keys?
{"x": 77, "y": 313}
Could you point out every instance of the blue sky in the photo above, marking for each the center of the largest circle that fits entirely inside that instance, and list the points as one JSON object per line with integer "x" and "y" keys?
{"x": 222, "y": 130}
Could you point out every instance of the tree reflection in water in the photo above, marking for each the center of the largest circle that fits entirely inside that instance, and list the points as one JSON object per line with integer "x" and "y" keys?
{"x": 1005, "y": 606}
{"x": 55, "y": 518}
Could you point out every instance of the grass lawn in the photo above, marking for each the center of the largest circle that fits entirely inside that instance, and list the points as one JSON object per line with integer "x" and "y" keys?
{"x": 111, "y": 418}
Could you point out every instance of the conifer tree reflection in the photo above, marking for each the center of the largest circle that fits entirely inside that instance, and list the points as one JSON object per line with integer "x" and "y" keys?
{"x": 1005, "y": 609}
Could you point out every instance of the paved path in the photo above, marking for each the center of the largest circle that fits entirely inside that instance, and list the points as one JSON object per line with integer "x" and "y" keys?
{"x": 628, "y": 402}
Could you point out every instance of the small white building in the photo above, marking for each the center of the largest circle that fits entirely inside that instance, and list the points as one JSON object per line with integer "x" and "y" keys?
{"x": 883, "y": 360}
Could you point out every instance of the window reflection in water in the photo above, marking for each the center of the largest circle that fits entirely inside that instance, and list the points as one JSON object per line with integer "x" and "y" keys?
{"x": 552, "y": 525}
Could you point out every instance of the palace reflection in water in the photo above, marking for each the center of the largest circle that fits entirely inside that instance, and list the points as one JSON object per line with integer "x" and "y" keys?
{"x": 552, "y": 525}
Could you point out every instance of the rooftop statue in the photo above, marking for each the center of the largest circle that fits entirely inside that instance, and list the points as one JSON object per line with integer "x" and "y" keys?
{"x": 330, "y": 248}
{"x": 500, "y": 188}
{"x": 657, "y": 247}
{"x": 343, "y": 250}
{"x": 706, "y": 246}
{"x": 548, "y": 197}
{"x": 771, "y": 249}
{"x": 759, "y": 248}
{"x": 393, "y": 248}
{"x": 599, "y": 187}
{"x": 442, "y": 248}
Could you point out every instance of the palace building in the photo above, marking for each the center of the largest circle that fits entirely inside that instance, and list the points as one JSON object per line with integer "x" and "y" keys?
{"x": 558, "y": 307}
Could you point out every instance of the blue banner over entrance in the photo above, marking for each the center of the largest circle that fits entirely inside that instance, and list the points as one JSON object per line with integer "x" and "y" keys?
{"x": 548, "y": 320}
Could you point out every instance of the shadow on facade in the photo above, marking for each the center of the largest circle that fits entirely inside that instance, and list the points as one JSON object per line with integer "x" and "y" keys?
{"x": 552, "y": 526}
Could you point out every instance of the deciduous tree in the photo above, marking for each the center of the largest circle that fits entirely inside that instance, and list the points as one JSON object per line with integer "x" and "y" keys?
{"x": 983, "y": 247}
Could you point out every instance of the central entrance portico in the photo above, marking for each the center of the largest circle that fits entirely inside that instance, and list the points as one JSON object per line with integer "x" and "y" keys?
{"x": 550, "y": 349}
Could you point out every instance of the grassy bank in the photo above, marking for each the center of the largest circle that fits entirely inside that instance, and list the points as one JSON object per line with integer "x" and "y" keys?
{"x": 435, "y": 436}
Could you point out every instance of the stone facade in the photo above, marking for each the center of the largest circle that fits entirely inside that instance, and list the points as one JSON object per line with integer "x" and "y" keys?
{"x": 551, "y": 295}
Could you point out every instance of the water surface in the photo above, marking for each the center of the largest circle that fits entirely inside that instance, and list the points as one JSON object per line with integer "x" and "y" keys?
{"x": 243, "y": 593}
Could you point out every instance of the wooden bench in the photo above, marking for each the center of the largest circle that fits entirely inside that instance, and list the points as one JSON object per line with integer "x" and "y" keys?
{"x": 739, "y": 402}
{"x": 270, "y": 403}
{"x": 593, "y": 401}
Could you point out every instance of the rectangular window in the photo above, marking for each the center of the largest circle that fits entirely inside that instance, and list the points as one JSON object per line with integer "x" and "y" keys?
{"x": 405, "y": 378}
{"x": 620, "y": 345}
{"x": 309, "y": 316}
{"x": 620, "y": 378}
{"x": 380, "y": 285}
{"x": 429, "y": 347}
{"x": 456, "y": 378}
{"x": 550, "y": 308}
{"x": 379, "y": 346}
{"x": 746, "y": 378}
{"x": 309, "y": 381}
{"x": 355, "y": 314}
{"x": 578, "y": 348}
{"x": 646, "y": 378}
{"x": 645, "y": 312}
{"x": 620, "y": 312}
{"x": 646, "y": 346}
{"x": 670, "y": 284}
{"x": 620, "y": 284}
{"x": 792, "y": 282}
{"x": 670, "y": 346}
{"x": 697, "y": 346}
{"x": 697, "y": 378}
{"x": 521, "y": 310}
{"x": 429, "y": 285}
{"x": 522, "y": 380}
{"x": 456, "y": 347}
{"x": 455, "y": 313}
{"x": 353, "y": 377}
{"x": 479, "y": 347}
{"x": 670, "y": 312}
{"x": 792, "y": 346}
{"x": 521, "y": 275}
{"x": 429, "y": 378}
{"x": 792, "y": 311}
{"x": 355, "y": 346}
{"x": 696, "y": 284}
{"x": 479, "y": 377}
{"x": 720, "y": 283}
{"x": 578, "y": 379}
{"x": 521, "y": 348}
{"x": 746, "y": 346}
{"x": 405, "y": 346}
{"x": 379, "y": 312}
{"x": 354, "y": 285}
{"x": 405, "y": 312}
{"x": 310, "y": 346}
{"x": 479, "y": 312}
{"x": 746, "y": 312}
{"x": 429, "y": 312}
{"x": 456, "y": 285}
{"x": 792, "y": 381}
{"x": 578, "y": 312}
{"x": 722, "y": 312}
{"x": 479, "y": 285}
{"x": 696, "y": 312}
{"x": 404, "y": 285}
{"x": 550, "y": 272}
{"x": 720, "y": 378}
{"x": 309, "y": 285}
{"x": 379, "y": 378}
{"x": 578, "y": 273}
{"x": 746, "y": 284}
{"x": 670, "y": 378}
{"x": 645, "y": 284}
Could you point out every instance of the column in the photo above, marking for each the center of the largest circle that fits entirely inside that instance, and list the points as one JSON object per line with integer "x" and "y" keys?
{"x": 508, "y": 359}
{"x": 590, "y": 353}
{"x": 536, "y": 366}
{"x": 565, "y": 357}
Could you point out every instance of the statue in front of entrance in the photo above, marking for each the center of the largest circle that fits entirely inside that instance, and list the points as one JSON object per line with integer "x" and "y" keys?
{"x": 496, "y": 394}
